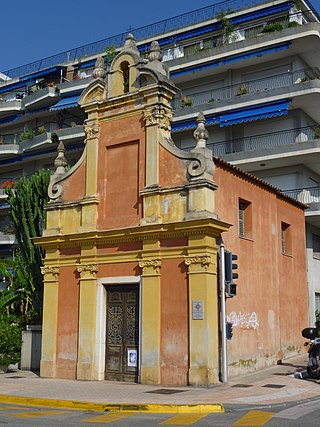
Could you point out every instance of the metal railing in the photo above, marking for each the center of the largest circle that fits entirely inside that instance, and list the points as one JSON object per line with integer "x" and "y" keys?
{"x": 254, "y": 86}
{"x": 308, "y": 195}
{"x": 20, "y": 137}
{"x": 152, "y": 30}
{"x": 270, "y": 140}
{"x": 239, "y": 34}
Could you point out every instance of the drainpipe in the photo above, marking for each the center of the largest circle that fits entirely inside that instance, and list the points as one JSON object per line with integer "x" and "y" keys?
{"x": 224, "y": 355}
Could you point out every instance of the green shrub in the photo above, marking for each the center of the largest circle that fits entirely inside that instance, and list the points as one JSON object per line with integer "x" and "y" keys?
{"x": 270, "y": 28}
{"x": 293, "y": 24}
{"x": 10, "y": 342}
{"x": 29, "y": 134}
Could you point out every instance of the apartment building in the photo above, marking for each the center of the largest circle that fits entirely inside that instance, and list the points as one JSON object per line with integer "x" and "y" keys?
{"x": 251, "y": 66}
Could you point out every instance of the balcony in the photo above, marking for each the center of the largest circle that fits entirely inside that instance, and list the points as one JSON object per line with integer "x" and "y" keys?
{"x": 9, "y": 107}
{"x": 34, "y": 138}
{"x": 207, "y": 99}
{"x": 266, "y": 142}
{"x": 218, "y": 53}
{"x": 41, "y": 98}
{"x": 272, "y": 150}
{"x": 310, "y": 196}
{"x": 74, "y": 86}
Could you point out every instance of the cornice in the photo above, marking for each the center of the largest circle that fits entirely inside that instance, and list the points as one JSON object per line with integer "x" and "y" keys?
{"x": 208, "y": 226}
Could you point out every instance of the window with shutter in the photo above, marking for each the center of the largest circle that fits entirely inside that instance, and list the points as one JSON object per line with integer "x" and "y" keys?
{"x": 286, "y": 240}
{"x": 245, "y": 219}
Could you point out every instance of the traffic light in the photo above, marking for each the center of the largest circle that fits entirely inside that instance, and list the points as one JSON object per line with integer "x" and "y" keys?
{"x": 230, "y": 275}
{"x": 229, "y": 330}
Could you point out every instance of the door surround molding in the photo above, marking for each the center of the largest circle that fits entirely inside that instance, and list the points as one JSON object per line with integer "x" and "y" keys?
{"x": 101, "y": 320}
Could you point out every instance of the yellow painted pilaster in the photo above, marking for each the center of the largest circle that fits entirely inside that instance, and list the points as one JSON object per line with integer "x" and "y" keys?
{"x": 89, "y": 210}
{"x": 92, "y": 130}
{"x": 203, "y": 318}
{"x": 87, "y": 366}
{"x": 50, "y": 321}
{"x": 150, "y": 334}
{"x": 152, "y": 155}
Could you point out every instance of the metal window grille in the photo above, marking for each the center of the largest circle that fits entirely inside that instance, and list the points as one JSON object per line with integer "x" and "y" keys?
{"x": 242, "y": 207}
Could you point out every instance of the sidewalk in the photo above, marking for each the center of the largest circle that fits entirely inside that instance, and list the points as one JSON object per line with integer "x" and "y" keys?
{"x": 271, "y": 386}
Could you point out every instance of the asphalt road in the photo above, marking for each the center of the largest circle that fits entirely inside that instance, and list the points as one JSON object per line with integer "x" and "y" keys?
{"x": 299, "y": 414}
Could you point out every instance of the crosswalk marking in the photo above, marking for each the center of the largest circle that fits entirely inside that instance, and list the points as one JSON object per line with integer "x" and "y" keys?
{"x": 299, "y": 410}
{"x": 254, "y": 418}
{"x": 184, "y": 419}
{"x": 36, "y": 414}
{"x": 108, "y": 418}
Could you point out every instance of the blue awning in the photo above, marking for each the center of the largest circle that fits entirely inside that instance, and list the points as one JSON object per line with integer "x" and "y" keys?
{"x": 197, "y": 32}
{"x": 255, "y": 113}
{"x": 194, "y": 69}
{"x": 192, "y": 124}
{"x": 10, "y": 119}
{"x": 65, "y": 103}
{"x": 14, "y": 86}
{"x": 175, "y": 127}
{"x": 51, "y": 70}
{"x": 256, "y": 53}
{"x": 228, "y": 60}
{"x": 87, "y": 64}
{"x": 261, "y": 13}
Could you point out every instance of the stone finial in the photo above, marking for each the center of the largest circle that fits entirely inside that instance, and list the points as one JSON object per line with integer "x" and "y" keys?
{"x": 99, "y": 69}
{"x": 201, "y": 134}
{"x": 155, "y": 52}
{"x": 60, "y": 162}
{"x": 130, "y": 44}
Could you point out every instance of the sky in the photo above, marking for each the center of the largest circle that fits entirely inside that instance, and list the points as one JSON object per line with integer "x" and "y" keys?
{"x": 34, "y": 29}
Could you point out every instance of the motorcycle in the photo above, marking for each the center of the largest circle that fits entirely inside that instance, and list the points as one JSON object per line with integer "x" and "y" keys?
{"x": 313, "y": 367}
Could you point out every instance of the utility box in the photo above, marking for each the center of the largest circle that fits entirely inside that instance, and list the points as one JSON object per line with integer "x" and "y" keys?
{"x": 31, "y": 348}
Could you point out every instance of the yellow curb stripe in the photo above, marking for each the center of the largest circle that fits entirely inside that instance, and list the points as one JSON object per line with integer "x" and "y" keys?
{"x": 108, "y": 418}
{"x": 254, "y": 418}
{"x": 184, "y": 419}
{"x": 103, "y": 407}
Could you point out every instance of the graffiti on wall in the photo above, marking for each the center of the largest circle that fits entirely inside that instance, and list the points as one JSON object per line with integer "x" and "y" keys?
{"x": 243, "y": 320}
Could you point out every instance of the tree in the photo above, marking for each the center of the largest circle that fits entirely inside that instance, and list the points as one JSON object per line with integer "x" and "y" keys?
{"x": 27, "y": 209}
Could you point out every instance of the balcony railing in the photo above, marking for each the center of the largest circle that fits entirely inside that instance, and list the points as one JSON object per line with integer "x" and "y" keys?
{"x": 246, "y": 33}
{"x": 20, "y": 137}
{"x": 309, "y": 196}
{"x": 153, "y": 30}
{"x": 249, "y": 87}
{"x": 270, "y": 140}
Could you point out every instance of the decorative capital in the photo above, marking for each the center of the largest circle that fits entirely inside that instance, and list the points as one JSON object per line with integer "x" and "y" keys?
{"x": 203, "y": 260}
{"x": 92, "y": 130}
{"x": 48, "y": 269}
{"x": 160, "y": 116}
{"x": 88, "y": 269}
{"x": 154, "y": 264}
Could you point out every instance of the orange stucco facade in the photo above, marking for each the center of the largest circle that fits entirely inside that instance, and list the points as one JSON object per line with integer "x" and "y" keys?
{"x": 132, "y": 239}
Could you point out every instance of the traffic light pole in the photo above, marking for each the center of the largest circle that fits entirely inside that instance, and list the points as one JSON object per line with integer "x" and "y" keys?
{"x": 224, "y": 355}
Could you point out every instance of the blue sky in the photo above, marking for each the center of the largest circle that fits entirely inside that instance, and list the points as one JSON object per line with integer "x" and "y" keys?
{"x": 34, "y": 29}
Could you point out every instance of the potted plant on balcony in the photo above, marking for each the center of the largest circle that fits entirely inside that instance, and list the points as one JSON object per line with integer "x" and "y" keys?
{"x": 10, "y": 342}
{"x": 186, "y": 101}
{"x": 242, "y": 90}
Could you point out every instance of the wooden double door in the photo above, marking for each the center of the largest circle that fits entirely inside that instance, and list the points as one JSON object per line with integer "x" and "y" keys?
{"x": 122, "y": 333}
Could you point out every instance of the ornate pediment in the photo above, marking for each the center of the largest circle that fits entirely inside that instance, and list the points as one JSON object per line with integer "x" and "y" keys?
{"x": 93, "y": 93}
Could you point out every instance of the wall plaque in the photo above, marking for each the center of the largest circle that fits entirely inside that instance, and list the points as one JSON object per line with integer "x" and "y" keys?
{"x": 197, "y": 310}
